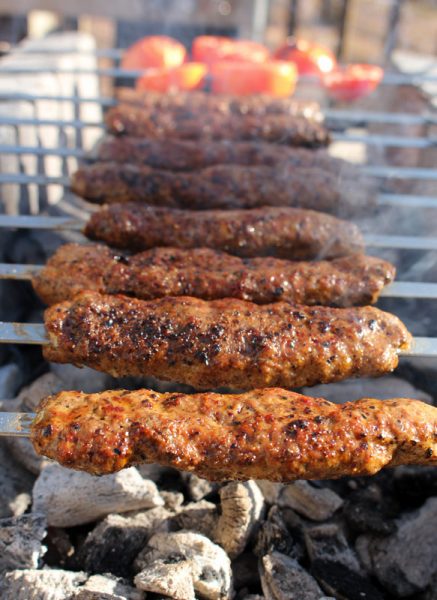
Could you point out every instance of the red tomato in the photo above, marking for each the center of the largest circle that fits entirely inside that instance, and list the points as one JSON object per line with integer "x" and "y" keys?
{"x": 153, "y": 52}
{"x": 353, "y": 81}
{"x": 186, "y": 77}
{"x": 274, "y": 78}
{"x": 310, "y": 59}
{"x": 210, "y": 49}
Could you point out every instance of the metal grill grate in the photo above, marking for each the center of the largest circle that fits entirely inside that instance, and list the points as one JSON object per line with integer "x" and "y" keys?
{"x": 351, "y": 127}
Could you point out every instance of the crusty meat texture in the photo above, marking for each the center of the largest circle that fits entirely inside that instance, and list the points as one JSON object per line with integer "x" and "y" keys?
{"x": 210, "y": 274}
{"x": 222, "y": 187}
{"x": 258, "y": 105}
{"x": 263, "y": 434}
{"x": 225, "y": 342}
{"x": 188, "y": 124}
{"x": 283, "y": 232}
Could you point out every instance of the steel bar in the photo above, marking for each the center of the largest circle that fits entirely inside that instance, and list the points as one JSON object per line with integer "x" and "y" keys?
{"x": 399, "y": 172}
{"x": 76, "y": 123}
{"x": 407, "y": 200}
{"x": 18, "y": 272}
{"x": 389, "y": 78}
{"x": 23, "y": 333}
{"x": 16, "y": 424}
{"x": 42, "y": 151}
{"x": 34, "y": 333}
{"x": 35, "y": 179}
{"x": 42, "y": 222}
{"x": 398, "y": 289}
{"x": 39, "y": 222}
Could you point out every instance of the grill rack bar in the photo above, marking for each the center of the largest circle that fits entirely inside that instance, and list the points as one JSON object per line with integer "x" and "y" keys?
{"x": 67, "y": 223}
{"x": 388, "y": 79}
{"x": 397, "y": 289}
{"x": 35, "y": 333}
{"x": 372, "y": 170}
{"x": 371, "y": 139}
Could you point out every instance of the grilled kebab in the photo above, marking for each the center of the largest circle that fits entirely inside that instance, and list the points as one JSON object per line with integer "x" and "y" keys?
{"x": 187, "y": 124}
{"x": 269, "y": 231}
{"x": 186, "y": 155}
{"x": 263, "y": 434}
{"x": 258, "y": 105}
{"x": 221, "y": 186}
{"x": 209, "y": 274}
{"x": 225, "y": 342}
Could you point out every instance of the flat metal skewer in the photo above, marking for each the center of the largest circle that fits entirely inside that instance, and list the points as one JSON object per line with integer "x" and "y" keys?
{"x": 35, "y": 333}
{"x": 16, "y": 424}
{"x": 397, "y": 289}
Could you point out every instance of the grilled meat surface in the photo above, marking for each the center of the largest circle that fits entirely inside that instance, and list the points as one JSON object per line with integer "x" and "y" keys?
{"x": 209, "y": 274}
{"x": 186, "y": 155}
{"x": 187, "y": 124}
{"x": 221, "y": 186}
{"x": 263, "y": 434}
{"x": 257, "y": 105}
{"x": 225, "y": 342}
{"x": 269, "y": 231}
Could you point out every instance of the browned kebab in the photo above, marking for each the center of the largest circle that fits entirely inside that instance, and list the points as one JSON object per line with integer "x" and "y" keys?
{"x": 210, "y": 274}
{"x": 185, "y": 123}
{"x": 283, "y": 232}
{"x": 257, "y": 105}
{"x": 223, "y": 186}
{"x": 263, "y": 434}
{"x": 229, "y": 342}
{"x": 186, "y": 155}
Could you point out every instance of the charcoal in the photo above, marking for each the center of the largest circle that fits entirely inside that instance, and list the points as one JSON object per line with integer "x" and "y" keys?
{"x": 175, "y": 580}
{"x": 282, "y": 578}
{"x": 245, "y": 571}
{"x": 406, "y": 561}
{"x": 10, "y": 380}
{"x": 326, "y": 542}
{"x": 242, "y": 506}
{"x": 344, "y": 583}
{"x": 172, "y": 500}
{"x": 21, "y": 542}
{"x": 312, "y": 502}
{"x": 198, "y": 488}
{"x": 71, "y": 498}
{"x": 104, "y": 587}
{"x": 15, "y": 484}
{"x": 210, "y": 566}
{"x": 200, "y": 517}
{"x": 365, "y": 514}
{"x": 414, "y": 485}
{"x": 46, "y": 584}
{"x": 273, "y": 536}
{"x": 113, "y": 545}
{"x": 270, "y": 490}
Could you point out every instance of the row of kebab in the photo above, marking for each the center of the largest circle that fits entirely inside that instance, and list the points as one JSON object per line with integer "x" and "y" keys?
{"x": 220, "y": 261}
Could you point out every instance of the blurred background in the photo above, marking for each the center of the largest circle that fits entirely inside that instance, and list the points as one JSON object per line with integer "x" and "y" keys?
{"x": 357, "y": 30}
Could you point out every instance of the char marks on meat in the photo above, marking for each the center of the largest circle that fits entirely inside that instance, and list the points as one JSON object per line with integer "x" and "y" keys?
{"x": 190, "y": 124}
{"x": 268, "y": 231}
{"x": 263, "y": 434}
{"x": 210, "y": 274}
{"x": 225, "y": 342}
{"x": 220, "y": 186}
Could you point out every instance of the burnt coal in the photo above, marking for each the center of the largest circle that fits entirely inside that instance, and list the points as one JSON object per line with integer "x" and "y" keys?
{"x": 343, "y": 583}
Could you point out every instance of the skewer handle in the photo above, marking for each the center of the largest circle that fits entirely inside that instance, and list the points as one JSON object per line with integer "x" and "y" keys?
{"x": 22, "y": 333}
{"x": 16, "y": 424}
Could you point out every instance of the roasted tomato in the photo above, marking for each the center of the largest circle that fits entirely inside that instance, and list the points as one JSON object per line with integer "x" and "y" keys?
{"x": 211, "y": 49}
{"x": 310, "y": 59}
{"x": 353, "y": 81}
{"x": 154, "y": 51}
{"x": 186, "y": 77}
{"x": 274, "y": 78}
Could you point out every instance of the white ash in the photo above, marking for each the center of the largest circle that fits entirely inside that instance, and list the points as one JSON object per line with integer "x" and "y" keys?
{"x": 45, "y": 584}
{"x": 198, "y": 488}
{"x": 172, "y": 500}
{"x": 104, "y": 587}
{"x": 312, "y": 502}
{"x": 71, "y": 498}
{"x": 242, "y": 506}
{"x": 210, "y": 565}
{"x": 175, "y": 580}
{"x": 282, "y": 578}
{"x": 21, "y": 542}
{"x": 200, "y": 517}
{"x": 270, "y": 490}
